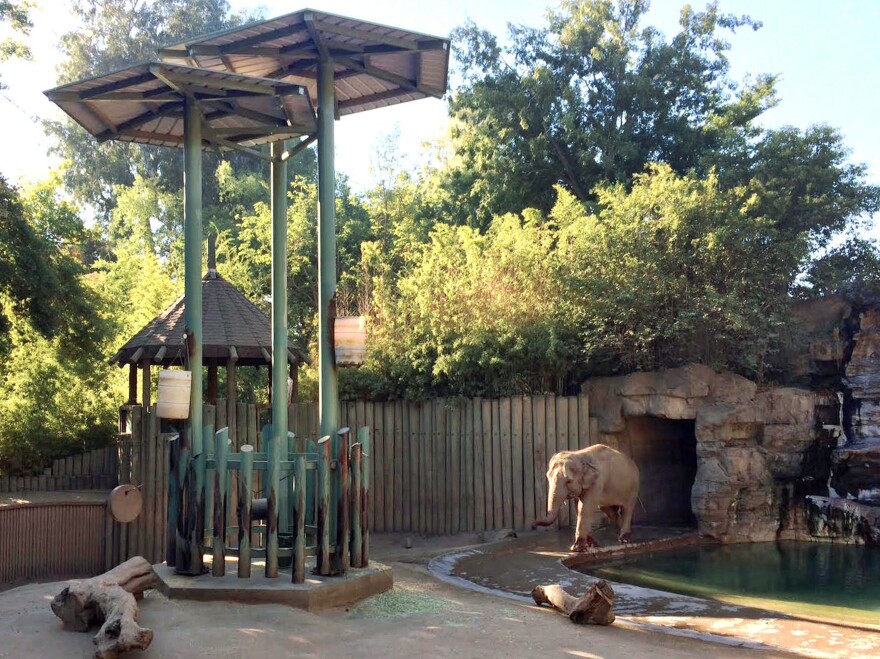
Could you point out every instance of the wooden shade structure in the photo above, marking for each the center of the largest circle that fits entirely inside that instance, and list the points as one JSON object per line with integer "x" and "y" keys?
{"x": 235, "y": 333}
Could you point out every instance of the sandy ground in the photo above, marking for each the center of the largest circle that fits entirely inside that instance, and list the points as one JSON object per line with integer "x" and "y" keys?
{"x": 420, "y": 617}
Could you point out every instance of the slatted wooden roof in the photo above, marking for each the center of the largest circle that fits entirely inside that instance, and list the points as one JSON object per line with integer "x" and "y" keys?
{"x": 144, "y": 104}
{"x": 229, "y": 321}
{"x": 375, "y": 65}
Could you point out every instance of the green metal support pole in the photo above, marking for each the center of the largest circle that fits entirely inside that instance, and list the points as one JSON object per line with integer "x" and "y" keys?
{"x": 192, "y": 260}
{"x": 328, "y": 392}
{"x": 278, "y": 439}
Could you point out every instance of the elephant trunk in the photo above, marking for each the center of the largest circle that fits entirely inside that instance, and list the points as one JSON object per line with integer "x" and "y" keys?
{"x": 553, "y": 507}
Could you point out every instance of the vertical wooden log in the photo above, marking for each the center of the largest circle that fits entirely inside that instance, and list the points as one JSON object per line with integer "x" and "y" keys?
{"x": 404, "y": 450}
{"x": 541, "y": 457}
{"x": 529, "y": 468}
{"x": 149, "y": 489}
{"x": 341, "y": 556}
{"x": 299, "y": 521}
{"x": 498, "y": 461}
{"x": 399, "y": 466}
{"x": 453, "y": 474}
{"x": 488, "y": 459}
{"x": 366, "y": 494}
{"x": 174, "y": 480}
{"x": 322, "y": 560}
{"x": 389, "y": 457}
{"x": 506, "y": 452}
{"x": 132, "y": 384}
{"x": 516, "y": 441}
{"x": 146, "y": 384}
{"x": 213, "y": 385}
{"x": 414, "y": 441}
{"x": 272, "y": 483}
{"x": 479, "y": 476}
{"x": 357, "y": 539}
{"x": 467, "y": 463}
{"x": 231, "y": 400}
{"x": 218, "y": 540}
{"x": 426, "y": 497}
{"x": 439, "y": 511}
{"x": 245, "y": 498}
{"x": 583, "y": 421}
{"x": 550, "y": 434}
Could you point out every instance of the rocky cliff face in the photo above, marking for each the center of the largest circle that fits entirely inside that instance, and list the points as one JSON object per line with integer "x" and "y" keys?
{"x": 857, "y": 462}
{"x": 751, "y": 445}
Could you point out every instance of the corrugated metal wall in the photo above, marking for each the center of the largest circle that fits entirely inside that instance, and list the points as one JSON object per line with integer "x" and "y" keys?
{"x": 51, "y": 540}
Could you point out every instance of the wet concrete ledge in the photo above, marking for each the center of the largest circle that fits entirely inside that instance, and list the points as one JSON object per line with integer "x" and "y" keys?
{"x": 315, "y": 594}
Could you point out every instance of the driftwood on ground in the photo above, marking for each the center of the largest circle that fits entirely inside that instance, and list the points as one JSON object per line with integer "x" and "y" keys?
{"x": 111, "y": 599}
{"x": 596, "y": 607}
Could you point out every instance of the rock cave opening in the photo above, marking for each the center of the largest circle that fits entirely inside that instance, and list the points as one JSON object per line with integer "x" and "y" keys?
{"x": 666, "y": 452}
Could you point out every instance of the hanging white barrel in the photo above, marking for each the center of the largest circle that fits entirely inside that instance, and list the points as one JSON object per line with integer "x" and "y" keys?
{"x": 350, "y": 339}
{"x": 174, "y": 391}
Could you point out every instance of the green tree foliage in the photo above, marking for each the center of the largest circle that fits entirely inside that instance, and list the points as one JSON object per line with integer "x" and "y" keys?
{"x": 53, "y": 368}
{"x": 114, "y": 34}
{"x": 851, "y": 268}
{"x": 675, "y": 270}
{"x": 16, "y": 16}
{"x": 592, "y": 98}
{"x": 478, "y": 314}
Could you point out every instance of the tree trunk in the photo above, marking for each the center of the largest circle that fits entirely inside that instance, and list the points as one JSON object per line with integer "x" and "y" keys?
{"x": 596, "y": 607}
{"x": 111, "y": 599}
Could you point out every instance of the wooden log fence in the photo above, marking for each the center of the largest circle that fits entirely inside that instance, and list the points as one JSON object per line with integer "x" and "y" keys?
{"x": 430, "y": 468}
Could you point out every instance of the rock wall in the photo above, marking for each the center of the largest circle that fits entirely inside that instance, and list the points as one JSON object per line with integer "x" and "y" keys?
{"x": 750, "y": 444}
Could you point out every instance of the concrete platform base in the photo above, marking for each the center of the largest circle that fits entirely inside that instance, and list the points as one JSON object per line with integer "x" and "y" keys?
{"x": 315, "y": 594}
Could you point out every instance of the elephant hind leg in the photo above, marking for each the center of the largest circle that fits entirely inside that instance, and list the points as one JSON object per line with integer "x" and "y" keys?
{"x": 612, "y": 513}
{"x": 626, "y": 515}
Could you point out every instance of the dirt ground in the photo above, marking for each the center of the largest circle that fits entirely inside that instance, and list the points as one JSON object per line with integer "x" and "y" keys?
{"x": 420, "y": 617}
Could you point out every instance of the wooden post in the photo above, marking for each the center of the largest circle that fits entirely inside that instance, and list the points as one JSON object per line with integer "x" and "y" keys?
{"x": 174, "y": 458}
{"x": 218, "y": 542}
{"x": 132, "y": 384}
{"x": 299, "y": 521}
{"x": 231, "y": 400}
{"x": 245, "y": 497}
{"x": 146, "y": 384}
{"x": 357, "y": 548}
{"x": 322, "y": 559}
{"x": 149, "y": 489}
{"x": 212, "y": 384}
{"x": 341, "y": 557}
{"x": 364, "y": 440}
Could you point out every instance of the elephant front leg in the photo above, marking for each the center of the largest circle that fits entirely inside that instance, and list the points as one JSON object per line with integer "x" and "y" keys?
{"x": 626, "y": 521}
{"x": 583, "y": 538}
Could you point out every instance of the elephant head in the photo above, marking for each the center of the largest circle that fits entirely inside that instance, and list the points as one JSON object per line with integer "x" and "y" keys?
{"x": 568, "y": 476}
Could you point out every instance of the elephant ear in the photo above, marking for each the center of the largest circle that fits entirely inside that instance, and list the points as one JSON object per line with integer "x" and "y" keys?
{"x": 589, "y": 475}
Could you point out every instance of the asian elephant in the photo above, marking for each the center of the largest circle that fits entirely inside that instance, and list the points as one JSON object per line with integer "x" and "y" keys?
{"x": 598, "y": 477}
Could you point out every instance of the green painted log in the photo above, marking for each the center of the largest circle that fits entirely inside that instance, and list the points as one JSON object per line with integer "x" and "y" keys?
{"x": 311, "y": 446}
{"x": 221, "y": 500}
{"x": 245, "y": 498}
{"x": 299, "y": 521}
{"x": 209, "y": 441}
{"x": 364, "y": 440}
{"x": 322, "y": 559}
{"x": 173, "y": 501}
{"x": 273, "y": 457}
{"x": 357, "y": 547}
{"x": 341, "y": 556}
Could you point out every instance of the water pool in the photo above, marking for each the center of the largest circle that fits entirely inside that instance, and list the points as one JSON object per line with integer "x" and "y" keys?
{"x": 831, "y": 581}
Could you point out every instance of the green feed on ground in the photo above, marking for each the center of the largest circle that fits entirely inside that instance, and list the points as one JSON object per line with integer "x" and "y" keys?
{"x": 402, "y": 602}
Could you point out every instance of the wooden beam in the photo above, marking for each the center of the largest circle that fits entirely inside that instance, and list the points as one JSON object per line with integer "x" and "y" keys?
{"x": 141, "y": 119}
{"x": 146, "y": 384}
{"x": 365, "y": 35}
{"x": 92, "y": 92}
{"x": 290, "y": 153}
{"x": 132, "y": 384}
{"x": 179, "y": 78}
{"x": 311, "y": 26}
{"x": 233, "y": 354}
{"x": 420, "y": 47}
{"x": 266, "y": 356}
{"x": 213, "y": 384}
{"x": 278, "y": 33}
{"x": 375, "y": 98}
{"x": 400, "y": 81}
{"x": 160, "y": 354}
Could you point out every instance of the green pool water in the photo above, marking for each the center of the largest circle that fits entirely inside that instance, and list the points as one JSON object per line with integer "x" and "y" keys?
{"x": 831, "y": 581}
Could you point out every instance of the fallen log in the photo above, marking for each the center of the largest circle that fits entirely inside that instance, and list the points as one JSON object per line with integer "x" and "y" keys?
{"x": 596, "y": 607}
{"x": 111, "y": 599}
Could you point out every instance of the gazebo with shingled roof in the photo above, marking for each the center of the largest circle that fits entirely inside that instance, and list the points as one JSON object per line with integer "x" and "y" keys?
{"x": 236, "y": 333}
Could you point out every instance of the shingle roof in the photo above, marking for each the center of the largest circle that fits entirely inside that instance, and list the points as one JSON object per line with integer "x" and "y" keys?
{"x": 229, "y": 320}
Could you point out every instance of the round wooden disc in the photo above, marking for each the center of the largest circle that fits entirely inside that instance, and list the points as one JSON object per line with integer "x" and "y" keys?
{"x": 126, "y": 502}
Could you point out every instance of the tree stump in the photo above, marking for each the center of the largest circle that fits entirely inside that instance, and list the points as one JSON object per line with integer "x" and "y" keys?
{"x": 596, "y": 607}
{"x": 111, "y": 599}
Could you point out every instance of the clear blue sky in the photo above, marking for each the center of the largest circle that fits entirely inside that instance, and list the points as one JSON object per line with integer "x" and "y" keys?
{"x": 826, "y": 53}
